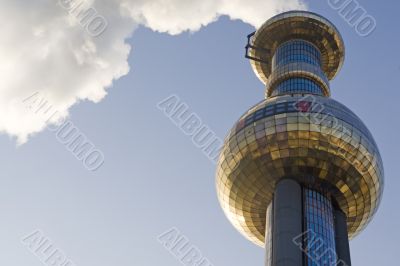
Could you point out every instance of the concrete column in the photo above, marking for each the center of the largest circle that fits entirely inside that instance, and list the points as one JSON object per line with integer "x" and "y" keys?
{"x": 342, "y": 239}
{"x": 268, "y": 235}
{"x": 287, "y": 224}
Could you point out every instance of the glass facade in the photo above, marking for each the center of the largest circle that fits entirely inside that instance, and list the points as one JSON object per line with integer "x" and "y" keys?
{"x": 297, "y": 51}
{"x": 296, "y": 69}
{"x": 297, "y": 86}
{"x": 319, "y": 241}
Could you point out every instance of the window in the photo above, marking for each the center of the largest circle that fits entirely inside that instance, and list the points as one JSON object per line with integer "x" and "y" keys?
{"x": 297, "y": 51}
{"x": 319, "y": 224}
{"x": 297, "y": 85}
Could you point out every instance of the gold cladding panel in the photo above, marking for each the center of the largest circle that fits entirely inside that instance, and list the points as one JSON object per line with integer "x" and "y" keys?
{"x": 255, "y": 158}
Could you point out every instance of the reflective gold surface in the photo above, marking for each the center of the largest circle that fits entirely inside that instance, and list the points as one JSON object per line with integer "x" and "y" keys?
{"x": 297, "y": 25}
{"x": 310, "y": 138}
{"x": 315, "y": 140}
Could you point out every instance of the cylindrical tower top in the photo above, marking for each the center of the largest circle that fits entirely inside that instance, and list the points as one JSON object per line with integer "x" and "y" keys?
{"x": 317, "y": 36}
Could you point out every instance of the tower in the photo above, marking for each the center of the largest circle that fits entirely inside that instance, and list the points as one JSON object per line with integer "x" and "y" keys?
{"x": 299, "y": 173}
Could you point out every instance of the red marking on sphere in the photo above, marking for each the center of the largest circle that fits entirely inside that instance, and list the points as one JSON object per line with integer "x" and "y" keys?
{"x": 303, "y": 106}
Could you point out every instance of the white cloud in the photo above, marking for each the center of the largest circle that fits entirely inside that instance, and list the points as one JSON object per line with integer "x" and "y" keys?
{"x": 175, "y": 16}
{"x": 46, "y": 47}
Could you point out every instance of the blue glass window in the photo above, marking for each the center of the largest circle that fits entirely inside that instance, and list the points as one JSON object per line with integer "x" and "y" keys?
{"x": 297, "y": 51}
{"x": 320, "y": 248}
{"x": 297, "y": 85}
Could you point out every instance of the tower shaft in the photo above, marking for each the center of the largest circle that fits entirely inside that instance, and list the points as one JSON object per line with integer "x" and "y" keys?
{"x": 306, "y": 228}
{"x": 342, "y": 238}
{"x": 286, "y": 225}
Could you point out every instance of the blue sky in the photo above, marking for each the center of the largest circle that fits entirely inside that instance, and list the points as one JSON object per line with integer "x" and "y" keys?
{"x": 154, "y": 178}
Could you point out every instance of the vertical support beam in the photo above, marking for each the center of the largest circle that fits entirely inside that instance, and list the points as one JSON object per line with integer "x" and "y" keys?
{"x": 268, "y": 235}
{"x": 287, "y": 224}
{"x": 342, "y": 239}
